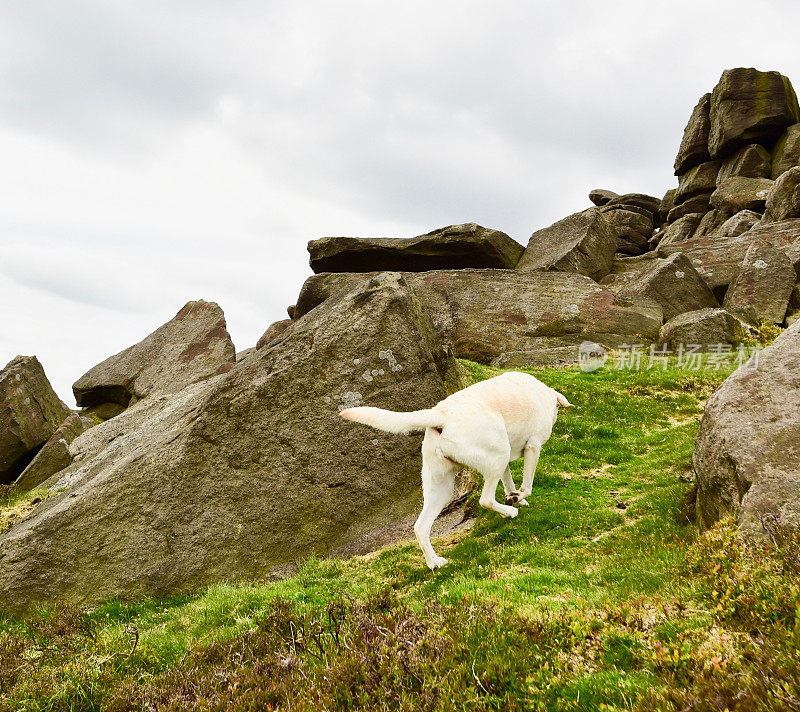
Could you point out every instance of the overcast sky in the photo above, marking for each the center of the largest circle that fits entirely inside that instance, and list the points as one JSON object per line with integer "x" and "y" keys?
{"x": 155, "y": 152}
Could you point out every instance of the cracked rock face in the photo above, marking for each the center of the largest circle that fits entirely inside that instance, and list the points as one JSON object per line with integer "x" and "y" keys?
{"x": 747, "y": 452}
{"x": 247, "y": 472}
{"x": 453, "y": 247}
{"x": 583, "y": 243}
{"x": 192, "y": 346}
{"x": 30, "y": 412}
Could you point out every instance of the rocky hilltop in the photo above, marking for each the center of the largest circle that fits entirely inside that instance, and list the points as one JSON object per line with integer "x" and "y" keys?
{"x": 188, "y": 464}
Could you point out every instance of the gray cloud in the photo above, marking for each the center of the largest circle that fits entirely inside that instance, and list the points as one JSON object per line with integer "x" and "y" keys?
{"x": 157, "y": 152}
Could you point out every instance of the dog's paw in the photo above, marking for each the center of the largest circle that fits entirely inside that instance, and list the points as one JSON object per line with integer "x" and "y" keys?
{"x": 437, "y": 563}
{"x": 523, "y": 503}
{"x": 512, "y": 498}
{"x": 509, "y": 512}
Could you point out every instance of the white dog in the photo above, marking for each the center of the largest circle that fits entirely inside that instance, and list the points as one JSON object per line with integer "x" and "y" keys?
{"x": 485, "y": 427}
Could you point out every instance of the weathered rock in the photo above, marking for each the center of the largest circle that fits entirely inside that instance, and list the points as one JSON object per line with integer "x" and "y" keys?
{"x": 667, "y": 203}
{"x": 452, "y": 247}
{"x": 707, "y": 328}
{"x": 194, "y": 345}
{"x": 638, "y": 200}
{"x": 633, "y": 226}
{"x": 54, "y": 455}
{"x": 694, "y": 145}
{"x": 682, "y": 229}
{"x": 30, "y": 412}
{"x": 583, "y": 243}
{"x": 672, "y": 282}
{"x": 752, "y": 161}
{"x": 763, "y": 281}
{"x": 786, "y": 152}
{"x": 103, "y": 411}
{"x": 747, "y": 451}
{"x": 749, "y": 106}
{"x": 695, "y": 204}
{"x": 701, "y": 178}
{"x": 290, "y": 311}
{"x": 738, "y": 193}
{"x": 712, "y": 221}
{"x": 246, "y": 473}
{"x": 273, "y": 332}
{"x": 484, "y": 313}
{"x": 600, "y": 196}
{"x": 244, "y": 353}
{"x": 717, "y": 257}
{"x": 793, "y": 312}
{"x": 738, "y": 223}
{"x": 783, "y": 201}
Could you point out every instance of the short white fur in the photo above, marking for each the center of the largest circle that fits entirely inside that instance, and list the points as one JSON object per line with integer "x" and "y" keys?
{"x": 485, "y": 427}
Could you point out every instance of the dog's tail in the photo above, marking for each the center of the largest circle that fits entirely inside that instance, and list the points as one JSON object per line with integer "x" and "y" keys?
{"x": 391, "y": 421}
{"x": 562, "y": 400}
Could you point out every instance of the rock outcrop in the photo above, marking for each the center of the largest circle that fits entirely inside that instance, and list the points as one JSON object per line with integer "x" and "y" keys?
{"x": 482, "y": 314}
{"x": 763, "y": 282}
{"x": 717, "y": 257}
{"x": 454, "y": 247}
{"x": 749, "y": 106}
{"x": 247, "y": 472}
{"x": 786, "y": 152}
{"x": 737, "y": 193}
{"x": 55, "y": 454}
{"x": 783, "y": 201}
{"x": 747, "y": 452}
{"x": 694, "y": 146}
{"x": 673, "y": 283}
{"x": 707, "y": 328}
{"x": 583, "y": 243}
{"x": 30, "y": 412}
{"x": 192, "y": 346}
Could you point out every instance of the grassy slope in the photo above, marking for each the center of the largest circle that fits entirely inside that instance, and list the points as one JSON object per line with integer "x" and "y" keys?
{"x": 598, "y": 561}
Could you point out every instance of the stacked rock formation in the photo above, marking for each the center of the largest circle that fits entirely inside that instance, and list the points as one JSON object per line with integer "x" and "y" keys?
{"x": 189, "y": 463}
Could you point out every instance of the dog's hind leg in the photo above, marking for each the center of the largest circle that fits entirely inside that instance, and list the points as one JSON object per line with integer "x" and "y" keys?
{"x": 438, "y": 480}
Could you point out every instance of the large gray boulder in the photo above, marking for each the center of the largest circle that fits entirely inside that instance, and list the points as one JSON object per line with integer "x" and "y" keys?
{"x": 717, "y": 257}
{"x": 696, "y": 204}
{"x": 747, "y": 451}
{"x": 749, "y": 106}
{"x": 30, "y": 412}
{"x": 737, "y": 193}
{"x": 244, "y": 474}
{"x": 682, "y": 229}
{"x": 55, "y": 454}
{"x": 701, "y": 178}
{"x": 764, "y": 281}
{"x": 600, "y": 196}
{"x": 706, "y": 328}
{"x": 694, "y": 145}
{"x": 752, "y": 161}
{"x": 481, "y": 314}
{"x": 583, "y": 243}
{"x": 671, "y": 282}
{"x": 738, "y": 223}
{"x": 191, "y": 347}
{"x": 452, "y": 247}
{"x": 633, "y": 226}
{"x": 712, "y": 221}
{"x": 786, "y": 152}
{"x": 783, "y": 201}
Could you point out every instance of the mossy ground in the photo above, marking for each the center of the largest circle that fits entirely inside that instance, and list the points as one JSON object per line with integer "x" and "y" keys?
{"x": 599, "y": 596}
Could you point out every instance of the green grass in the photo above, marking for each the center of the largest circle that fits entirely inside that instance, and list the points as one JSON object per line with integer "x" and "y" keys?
{"x": 600, "y": 595}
